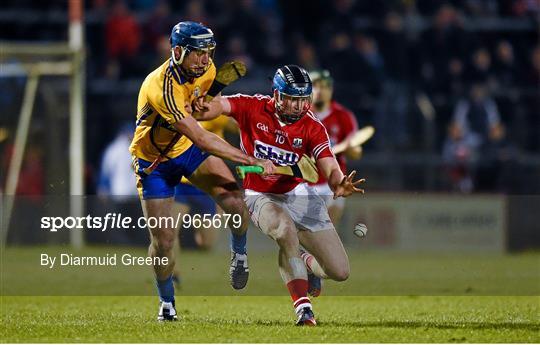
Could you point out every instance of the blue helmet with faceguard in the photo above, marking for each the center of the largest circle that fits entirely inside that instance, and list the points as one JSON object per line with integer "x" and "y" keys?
{"x": 293, "y": 82}
{"x": 191, "y": 36}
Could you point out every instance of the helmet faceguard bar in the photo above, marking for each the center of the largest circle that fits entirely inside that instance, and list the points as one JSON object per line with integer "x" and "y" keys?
{"x": 287, "y": 114}
{"x": 209, "y": 48}
{"x": 200, "y": 42}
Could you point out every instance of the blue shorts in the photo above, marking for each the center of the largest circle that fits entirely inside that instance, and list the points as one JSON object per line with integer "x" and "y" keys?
{"x": 199, "y": 201}
{"x": 161, "y": 182}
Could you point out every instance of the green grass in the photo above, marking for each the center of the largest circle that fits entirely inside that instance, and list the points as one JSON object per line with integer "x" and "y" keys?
{"x": 270, "y": 319}
{"x": 390, "y": 297}
{"x": 206, "y": 274}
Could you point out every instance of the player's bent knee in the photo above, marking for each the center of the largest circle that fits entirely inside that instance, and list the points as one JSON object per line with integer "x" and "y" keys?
{"x": 342, "y": 275}
{"x": 163, "y": 244}
{"x": 166, "y": 245}
{"x": 238, "y": 206}
{"x": 231, "y": 201}
{"x": 339, "y": 273}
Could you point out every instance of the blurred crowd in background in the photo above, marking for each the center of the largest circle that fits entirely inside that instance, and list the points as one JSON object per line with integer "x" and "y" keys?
{"x": 451, "y": 87}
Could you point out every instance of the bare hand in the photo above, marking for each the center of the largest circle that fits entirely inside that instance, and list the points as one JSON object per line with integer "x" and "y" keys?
{"x": 199, "y": 105}
{"x": 347, "y": 186}
{"x": 266, "y": 164}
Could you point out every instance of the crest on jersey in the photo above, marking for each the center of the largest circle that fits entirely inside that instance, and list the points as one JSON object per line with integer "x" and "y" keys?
{"x": 197, "y": 92}
{"x": 297, "y": 143}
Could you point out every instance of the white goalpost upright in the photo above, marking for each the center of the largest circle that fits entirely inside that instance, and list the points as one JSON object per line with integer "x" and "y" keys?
{"x": 76, "y": 137}
{"x": 73, "y": 66}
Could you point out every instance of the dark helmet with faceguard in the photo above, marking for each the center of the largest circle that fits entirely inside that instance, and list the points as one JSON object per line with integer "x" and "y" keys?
{"x": 293, "y": 82}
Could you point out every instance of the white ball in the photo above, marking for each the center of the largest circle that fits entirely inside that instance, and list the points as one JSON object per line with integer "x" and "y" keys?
{"x": 360, "y": 230}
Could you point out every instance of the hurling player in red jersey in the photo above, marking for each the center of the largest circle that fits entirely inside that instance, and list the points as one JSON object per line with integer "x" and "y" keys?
{"x": 282, "y": 128}
{"x": 340, "y": 123}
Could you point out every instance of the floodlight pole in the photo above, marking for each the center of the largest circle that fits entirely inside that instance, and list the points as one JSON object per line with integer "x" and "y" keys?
{"x": 77, "y": 116}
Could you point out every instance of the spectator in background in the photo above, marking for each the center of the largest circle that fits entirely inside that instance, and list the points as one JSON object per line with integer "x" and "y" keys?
{"x": 520, "y": 8}
{"x": 250, "y": 26}
{"x": 450, "y": 82}
{"x": 236, "y": 50}
{"x": 455, "y": 87}
{"x": 394, "y": 47}
{"x": 163, "y": 50}
{"x": 370, "y": 71}
{"x": 479, "y": 116}
{"x": 157, "y": 25}
{"x": 275, "y": 48}
{"x": 341, "y": 59}
{"x": 475, "y": 131}
{"x": 441, "y": 46}
{"x": 123, "y": 38}
{"x": 116, "y": 178}
{"x": 508, "y": 78}
{"x": 455, "y": 80}
{"x": 391, "y": 107}
{"x": 506, "y": 67}
{"x": 31, "y": 179}
{"x": 306, "y": 55}
{"x": 195, "y": 11}
{"x": 369, "y": 67}
{"x": 444, "y": 40}
{"x": 29, "y": 193}
{"x": 481, "y": 69}
{"x": 116, "y": 189}
{"x": 341, "y": 16}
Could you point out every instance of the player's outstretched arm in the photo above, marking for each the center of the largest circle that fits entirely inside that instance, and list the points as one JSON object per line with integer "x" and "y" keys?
{"x": 339, "y": 183}
{"x": 216, "y": 146}
{"x": 205, "y": 111}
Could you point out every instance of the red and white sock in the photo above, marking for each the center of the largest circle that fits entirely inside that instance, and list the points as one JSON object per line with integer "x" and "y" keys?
{"x": 298, "y": 290}
{"x": 300, "y": 304}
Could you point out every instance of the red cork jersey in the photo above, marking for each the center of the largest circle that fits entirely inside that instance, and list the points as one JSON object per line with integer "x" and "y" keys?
{"x": 263, "y": 136}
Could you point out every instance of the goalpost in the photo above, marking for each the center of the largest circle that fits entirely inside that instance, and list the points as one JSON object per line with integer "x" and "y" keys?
{"x": 68, "y": 61}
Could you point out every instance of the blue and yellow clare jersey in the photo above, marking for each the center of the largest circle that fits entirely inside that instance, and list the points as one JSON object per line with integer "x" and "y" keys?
{"x": 162, "y": 100}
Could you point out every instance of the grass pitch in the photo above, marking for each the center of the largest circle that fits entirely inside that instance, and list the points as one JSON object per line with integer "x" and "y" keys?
{"x": 270, "y": 319}
{"x": 477, "y": 306}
